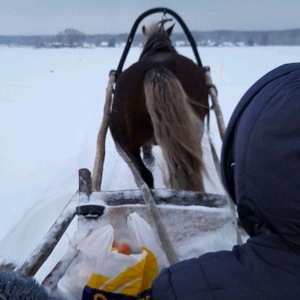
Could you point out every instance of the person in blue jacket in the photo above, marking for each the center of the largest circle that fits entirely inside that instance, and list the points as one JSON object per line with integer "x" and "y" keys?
{"x": 260, "y": 165}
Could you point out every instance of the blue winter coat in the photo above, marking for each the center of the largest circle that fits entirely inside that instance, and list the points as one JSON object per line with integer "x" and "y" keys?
{"x": 261, "y": 172}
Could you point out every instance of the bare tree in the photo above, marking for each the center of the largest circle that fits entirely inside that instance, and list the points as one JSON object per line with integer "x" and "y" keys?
{"x": 70, "y": 38}
{"x": 265, "y": 39}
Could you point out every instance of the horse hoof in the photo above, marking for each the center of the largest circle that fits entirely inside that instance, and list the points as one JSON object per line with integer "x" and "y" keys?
{"x": 149, "y": 161}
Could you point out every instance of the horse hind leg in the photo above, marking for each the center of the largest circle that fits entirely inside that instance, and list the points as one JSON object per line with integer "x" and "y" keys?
{"x": 134, "y": 156}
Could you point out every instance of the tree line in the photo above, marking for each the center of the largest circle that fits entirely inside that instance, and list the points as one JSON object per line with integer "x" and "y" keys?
{"x": 73, "y": 38}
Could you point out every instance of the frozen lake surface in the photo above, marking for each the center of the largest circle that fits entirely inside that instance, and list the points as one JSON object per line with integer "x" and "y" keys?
{"x": 51, "y": 105}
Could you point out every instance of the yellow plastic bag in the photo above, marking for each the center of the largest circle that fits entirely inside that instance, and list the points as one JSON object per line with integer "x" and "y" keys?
{"x": 128, "y": 276}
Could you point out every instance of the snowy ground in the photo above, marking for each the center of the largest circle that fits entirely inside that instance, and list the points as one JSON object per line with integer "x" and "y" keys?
{"x": 51, "y": 105}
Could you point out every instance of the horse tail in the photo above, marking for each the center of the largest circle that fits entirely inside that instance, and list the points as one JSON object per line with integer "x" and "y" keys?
{"x": 177, "y": 129}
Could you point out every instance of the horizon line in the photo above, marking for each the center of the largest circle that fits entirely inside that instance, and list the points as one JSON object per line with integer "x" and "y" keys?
{"x": 127, "y": 33}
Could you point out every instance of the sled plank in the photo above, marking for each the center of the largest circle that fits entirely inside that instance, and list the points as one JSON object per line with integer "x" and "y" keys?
{"x": 161, "y": 196}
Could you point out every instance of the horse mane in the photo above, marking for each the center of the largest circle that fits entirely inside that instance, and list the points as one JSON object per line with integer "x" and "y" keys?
{"x": 154, "y": 28}
{"x": 156, "y": 39}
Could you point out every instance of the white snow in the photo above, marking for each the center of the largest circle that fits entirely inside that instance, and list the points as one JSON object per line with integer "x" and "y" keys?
{"x": 51, "y": 103}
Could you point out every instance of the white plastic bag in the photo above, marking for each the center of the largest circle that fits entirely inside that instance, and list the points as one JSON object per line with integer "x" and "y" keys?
{"x": 92, "y": 251}
{"x": 99, "y": 270}
{"x": 142, "y": 235}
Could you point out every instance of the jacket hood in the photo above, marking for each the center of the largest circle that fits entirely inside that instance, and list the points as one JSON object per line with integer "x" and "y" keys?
{"x": 260, "y": 160}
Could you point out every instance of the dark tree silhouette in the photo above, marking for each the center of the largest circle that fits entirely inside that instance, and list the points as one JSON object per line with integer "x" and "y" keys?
{"x": 70, "y": 38}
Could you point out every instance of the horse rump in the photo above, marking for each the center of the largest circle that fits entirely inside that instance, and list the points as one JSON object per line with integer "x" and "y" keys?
{"x": 178, "y": 130}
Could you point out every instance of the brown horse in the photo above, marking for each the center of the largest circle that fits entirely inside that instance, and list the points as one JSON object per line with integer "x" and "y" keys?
{"x": 162, "y": 99}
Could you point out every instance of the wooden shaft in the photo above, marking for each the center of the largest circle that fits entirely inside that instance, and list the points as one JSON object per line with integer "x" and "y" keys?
{"x": 100, "y": 151}
{"x": 216, "y": 106}
{"x": 153, "y": 211}
{"x": 45, "y": 248}
{"x": 85, "y": 185}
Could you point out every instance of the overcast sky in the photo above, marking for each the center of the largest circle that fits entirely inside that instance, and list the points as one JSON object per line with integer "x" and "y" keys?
{"x": 118, "y": 16}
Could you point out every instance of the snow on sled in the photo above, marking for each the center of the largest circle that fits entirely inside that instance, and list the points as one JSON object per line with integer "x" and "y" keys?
{"x": 184, "y": 221}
